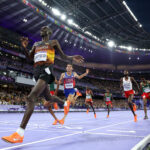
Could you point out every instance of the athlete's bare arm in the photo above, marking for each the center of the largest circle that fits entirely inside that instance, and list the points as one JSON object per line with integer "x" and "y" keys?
{"x": 61, "y": 78}
{"x": 148, "y": 82}
{"x": 133, "y": 80}
{"x": 121, "y": 84}
{"x": 82, "y": 75}
{"x": 24, "y": 43}
{"x": 76, "y": 58}
{"x": 104, "y": 97}
{"x": 58, "y": 83}
{"x": 91, "y": 92}
{"x": 141, "y": 87}
{"x": 112, "y": 99}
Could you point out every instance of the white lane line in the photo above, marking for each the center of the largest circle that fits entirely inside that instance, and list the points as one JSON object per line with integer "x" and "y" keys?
{"x": 58, "y": 137}
{"x": 142, "y": 143}
{"x": 122, "y": 131}
{"x": 112, "y": 125}
{"x": 136, "y": 136}
{"x": 67, "y": 127}
{"x": 40, "y": 141}
{"x": 6, "y": 131}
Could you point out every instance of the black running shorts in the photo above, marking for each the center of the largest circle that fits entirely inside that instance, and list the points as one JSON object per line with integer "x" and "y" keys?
{"x": 44, "y": 72}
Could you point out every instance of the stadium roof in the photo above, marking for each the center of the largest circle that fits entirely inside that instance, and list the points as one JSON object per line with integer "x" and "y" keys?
{"x": 106, "y": 19}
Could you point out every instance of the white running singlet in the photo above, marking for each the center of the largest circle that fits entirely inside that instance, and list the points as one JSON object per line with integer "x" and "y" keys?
{"x": 127, "y": 84}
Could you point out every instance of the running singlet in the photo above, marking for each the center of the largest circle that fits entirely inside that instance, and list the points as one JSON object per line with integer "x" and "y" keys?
{"x": 69, "y": 81}
{"x": 44, "y": 54}
{"x": 146, "y": 88}
{"x": 107, "y": 97}
{"x": 88, "y": 95}
{"x": 127, "y": 84}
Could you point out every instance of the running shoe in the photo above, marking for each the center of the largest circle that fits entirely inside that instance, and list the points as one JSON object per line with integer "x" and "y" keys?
{"x": 55, "y": 122}
{"x": 78, "y": 93}
{"x": 146, "y": 117}
{"x": 14, "y": 138}
{"x": 107, "y": 116}
{"x": 55, "y": 106}
{"x": 134, "y": 107}
{"x": 95, "y": 115}
{"x": 66, "y": 107}
{"x": 135, "y": 118}
{"x": 62, "y": 121}
{"x": 87, "y": 111}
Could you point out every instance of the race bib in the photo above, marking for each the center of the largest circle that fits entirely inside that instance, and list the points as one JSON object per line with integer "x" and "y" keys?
{"x": 107, "y": 99}
{"x": 88, "y": 96}
{"x": 147, "y": 90}
{"x": 127, "y": 86}
{"x": 69, "y": 85}
{"x": 40, "y": 56}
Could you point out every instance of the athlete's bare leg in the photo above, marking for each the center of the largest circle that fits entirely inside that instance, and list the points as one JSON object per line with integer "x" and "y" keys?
{"x": 36, "y": 91}
{"x": 145, "y": 107}
{"x": 130, "y": 103}
{"x": 108, "y": 109}
{"x": 50, "y": 100}
{"x": 70, "y": 99}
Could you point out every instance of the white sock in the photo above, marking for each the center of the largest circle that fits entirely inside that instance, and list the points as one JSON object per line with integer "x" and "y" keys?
{"x": 76, "y": 89}
{"x": 20, "y": 131}
{"x": 65, "y": 104}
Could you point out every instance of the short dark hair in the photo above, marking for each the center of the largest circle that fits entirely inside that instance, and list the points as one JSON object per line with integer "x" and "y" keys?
{"x": 70, "y": 64}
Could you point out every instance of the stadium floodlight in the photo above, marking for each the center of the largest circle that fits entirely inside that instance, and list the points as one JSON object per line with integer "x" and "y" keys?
{"x": 129, "y": 48}
{"x": 140, "y": 25}
{"x": 87, "y": 32}
{"x": 56, "y": 12}
{"x": 138, "y": 58}
{"x": 25, "y": 20}
{"x": 77, "y": 26}
{"x": 70, "y": 21}
{"x": 129, "y": 58}
{"x": 111, "y": 43}
{"x": 63, "y": 17}
{"x": 125, "y": 4}
{"x": 40, "y": 1}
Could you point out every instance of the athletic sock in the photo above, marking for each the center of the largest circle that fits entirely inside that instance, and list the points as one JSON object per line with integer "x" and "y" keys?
{"x": 20, "y": 131}
{"x": 65, "y": 104}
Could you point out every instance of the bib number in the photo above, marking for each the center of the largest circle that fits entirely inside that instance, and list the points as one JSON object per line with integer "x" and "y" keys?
{"x": 40, "y": 56}
{"x": 88, "y": 97}
{"x": 107, "y": 99}
{"x": 69, "y": 85}
{"x": 147, "y": 90}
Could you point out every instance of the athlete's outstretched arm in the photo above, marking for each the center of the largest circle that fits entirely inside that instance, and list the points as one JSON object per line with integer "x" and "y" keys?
{"x": 58, "y": 83}
{"x": 135, "y": 83}
{"x": 141, "y": 87}
{"x": 24, "y": 43}
{"x": 57, "y": 88}
{"x": 61, "y": 78}
{"x": 121, "y": 84}
{"x": 82, "y": 75}
{"x": 92, "y": 93}
{"x": 104, "y": 98}
{"x": 76, "y": 58}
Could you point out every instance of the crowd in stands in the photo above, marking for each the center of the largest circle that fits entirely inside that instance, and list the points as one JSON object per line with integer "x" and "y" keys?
{"x": 101, "y": 81}
{"x": 98, "y": 80}
{"x": 18, "y": 95}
